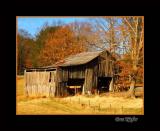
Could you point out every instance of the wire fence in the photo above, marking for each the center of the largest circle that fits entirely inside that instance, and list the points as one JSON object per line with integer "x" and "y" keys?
{"x": 99, "y": 108}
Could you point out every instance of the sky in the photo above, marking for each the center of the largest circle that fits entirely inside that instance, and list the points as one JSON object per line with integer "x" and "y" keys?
{"x": 33, "y": 24}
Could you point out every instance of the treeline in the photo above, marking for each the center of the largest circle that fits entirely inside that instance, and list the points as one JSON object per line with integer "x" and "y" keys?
{"x": 122, "y": 36}
{"x": 51, "y": 44}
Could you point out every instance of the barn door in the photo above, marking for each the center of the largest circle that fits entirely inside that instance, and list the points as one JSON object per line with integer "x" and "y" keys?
{"x": 52, "y": 83}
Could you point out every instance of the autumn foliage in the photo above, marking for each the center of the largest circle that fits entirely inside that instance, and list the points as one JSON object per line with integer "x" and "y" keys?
{"x": 59, "y": 45}
{"x": 122, "y": 36}
{"x": 125, "y": 70}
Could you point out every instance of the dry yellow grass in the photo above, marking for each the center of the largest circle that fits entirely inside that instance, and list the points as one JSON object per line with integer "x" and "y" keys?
{"x": 20, "y": 86}
{"x": 110, "y": 103}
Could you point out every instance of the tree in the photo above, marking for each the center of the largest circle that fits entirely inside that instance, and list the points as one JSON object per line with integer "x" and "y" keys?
{"x": 107, "y": 35}
{"x": 84, "y": 34}
{"x": 41, "y": 37}
{"x": 43, "y": 34}
{"x": 135, "y": 26}
{"x": 123, "y": 35}
{"x": 58, "y": 45}
{"x": 20, "y": 54}
{"x": 25, "y": 51}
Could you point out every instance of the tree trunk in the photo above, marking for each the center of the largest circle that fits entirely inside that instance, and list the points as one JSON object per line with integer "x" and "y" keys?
{"x": 133, "y": 81}
{"x": 131, "y": 90}
{"x": 83, "y": 90}
{"x": 111, "y": 86}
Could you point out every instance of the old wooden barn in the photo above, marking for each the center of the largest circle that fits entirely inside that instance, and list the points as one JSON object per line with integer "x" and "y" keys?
{"x": 86, "y": 73}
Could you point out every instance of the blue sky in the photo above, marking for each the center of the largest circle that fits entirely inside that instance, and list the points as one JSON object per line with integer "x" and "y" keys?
{"x": 33, "y": 24}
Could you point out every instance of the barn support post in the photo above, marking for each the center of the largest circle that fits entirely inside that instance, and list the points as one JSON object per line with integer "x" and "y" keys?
{"x": 83, "y": 90}
{"x": 111, "y": 85}
{"x": 88, "y": 80}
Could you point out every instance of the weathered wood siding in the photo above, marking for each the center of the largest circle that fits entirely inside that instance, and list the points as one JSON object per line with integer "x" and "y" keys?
{"x": 105, "y": 65}
{"x": 76, "y": 72}
{"x": 61, "y": 78}
{"x": 40, "y": 83}
{"x": 91, "y": 76}
{"x": 102, "y": 66}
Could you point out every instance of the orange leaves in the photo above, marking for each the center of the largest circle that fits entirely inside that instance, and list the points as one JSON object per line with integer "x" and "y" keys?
{"x": 140, "y": 72}
{"x": 59, "y": 45}
{"x": 124, "y": 67}
{"x": 28, "y": 63}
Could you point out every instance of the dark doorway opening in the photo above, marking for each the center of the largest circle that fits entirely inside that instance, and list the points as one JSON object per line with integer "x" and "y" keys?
{"x": 103, "y": 84}
{"x": 75, "y": 86}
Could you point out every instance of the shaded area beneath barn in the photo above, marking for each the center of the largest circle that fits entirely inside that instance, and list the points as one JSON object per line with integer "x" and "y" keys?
{"x": 75, "y": 86}
{"x": 103, "y": 84}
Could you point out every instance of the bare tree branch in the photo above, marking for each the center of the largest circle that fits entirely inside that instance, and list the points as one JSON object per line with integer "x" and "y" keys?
{"x": 130, "y": 25}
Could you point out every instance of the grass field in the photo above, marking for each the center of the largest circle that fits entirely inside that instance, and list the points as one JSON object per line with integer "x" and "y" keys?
{"x": 110, "y": 103}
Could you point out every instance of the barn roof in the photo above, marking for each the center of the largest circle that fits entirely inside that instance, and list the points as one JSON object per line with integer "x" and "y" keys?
{"x": 73, "y": 60}
{"x": 81, "y": 58}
